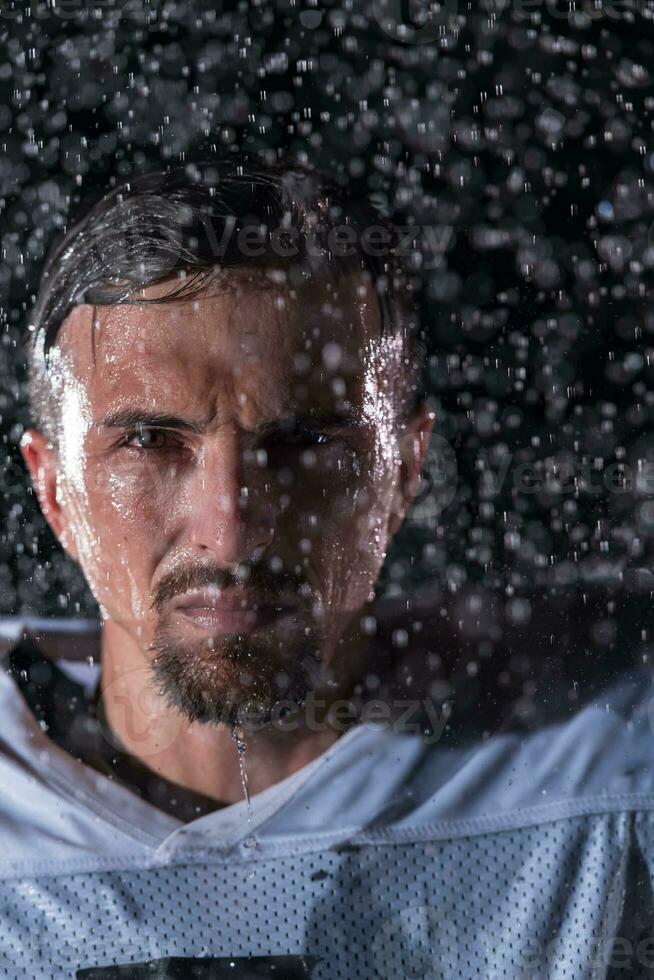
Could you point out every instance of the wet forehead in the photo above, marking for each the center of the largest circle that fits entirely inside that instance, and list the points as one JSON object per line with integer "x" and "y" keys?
{"x": 255, "y": 339}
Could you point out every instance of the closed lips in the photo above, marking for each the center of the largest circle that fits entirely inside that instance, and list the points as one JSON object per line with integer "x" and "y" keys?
{"x": 227, "y": 600}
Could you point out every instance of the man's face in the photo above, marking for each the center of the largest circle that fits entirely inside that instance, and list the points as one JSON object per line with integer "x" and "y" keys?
{"x": 227, "y": 474}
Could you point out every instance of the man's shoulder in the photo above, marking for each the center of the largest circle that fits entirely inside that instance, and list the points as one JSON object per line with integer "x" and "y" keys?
{"x": 384, "y": 785}
{"x": 70, "y": 639}
{"x": 51, "y": 810}
{"x": 596, "y": 758}
{"x": 593, "y": 757}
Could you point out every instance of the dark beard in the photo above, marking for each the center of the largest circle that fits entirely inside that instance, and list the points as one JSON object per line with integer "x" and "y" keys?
{"x": 242, "y": 681}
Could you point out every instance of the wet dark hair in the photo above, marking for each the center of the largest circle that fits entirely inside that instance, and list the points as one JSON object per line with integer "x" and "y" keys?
{"x": 197, "y": 222}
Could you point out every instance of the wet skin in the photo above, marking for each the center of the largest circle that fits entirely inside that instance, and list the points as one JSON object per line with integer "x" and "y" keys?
{"x": 247, "y": 442}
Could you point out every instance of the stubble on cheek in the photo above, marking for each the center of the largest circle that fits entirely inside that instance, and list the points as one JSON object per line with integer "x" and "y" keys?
{"x": 134, "y": 516}
{"x": 115, "y": 516}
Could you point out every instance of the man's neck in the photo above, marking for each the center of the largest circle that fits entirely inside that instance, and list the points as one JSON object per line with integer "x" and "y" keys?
{"x": 196, "y": 760}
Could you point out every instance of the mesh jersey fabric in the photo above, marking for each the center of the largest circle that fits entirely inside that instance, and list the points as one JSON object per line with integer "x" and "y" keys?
{"x": 522, "y": 856}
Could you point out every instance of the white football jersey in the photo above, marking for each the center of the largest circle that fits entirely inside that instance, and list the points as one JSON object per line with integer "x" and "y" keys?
{"x": 521, "y": 856}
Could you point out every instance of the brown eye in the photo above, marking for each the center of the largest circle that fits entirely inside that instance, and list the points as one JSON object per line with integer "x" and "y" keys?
{"x": 147, "y": 439}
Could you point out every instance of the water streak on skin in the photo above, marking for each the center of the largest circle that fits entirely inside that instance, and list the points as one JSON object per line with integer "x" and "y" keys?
{"x": 73, "y": 425}
{"x": 381, "y": 358}
{"x": 139, "y": 610}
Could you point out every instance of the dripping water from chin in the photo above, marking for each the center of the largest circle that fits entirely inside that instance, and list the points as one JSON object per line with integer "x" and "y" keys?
{"x": 241, "y": 748}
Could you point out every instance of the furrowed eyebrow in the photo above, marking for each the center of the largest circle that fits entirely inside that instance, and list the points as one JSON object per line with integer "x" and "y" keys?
{"x": 133, "y": 418}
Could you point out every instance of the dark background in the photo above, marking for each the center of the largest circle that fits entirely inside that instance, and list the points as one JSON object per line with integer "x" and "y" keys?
{"x": 525, "y": 129}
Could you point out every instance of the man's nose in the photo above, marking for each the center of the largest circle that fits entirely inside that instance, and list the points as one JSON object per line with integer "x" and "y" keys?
{"x": 230, "y": 511}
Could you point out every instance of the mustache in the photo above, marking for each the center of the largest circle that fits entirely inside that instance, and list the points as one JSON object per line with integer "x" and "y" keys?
{"x": 259, "y": 577}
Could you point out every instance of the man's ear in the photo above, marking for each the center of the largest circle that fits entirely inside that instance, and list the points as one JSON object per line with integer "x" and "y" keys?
{"x": 413, "y": 445}
{"x": 41, "y": 461}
